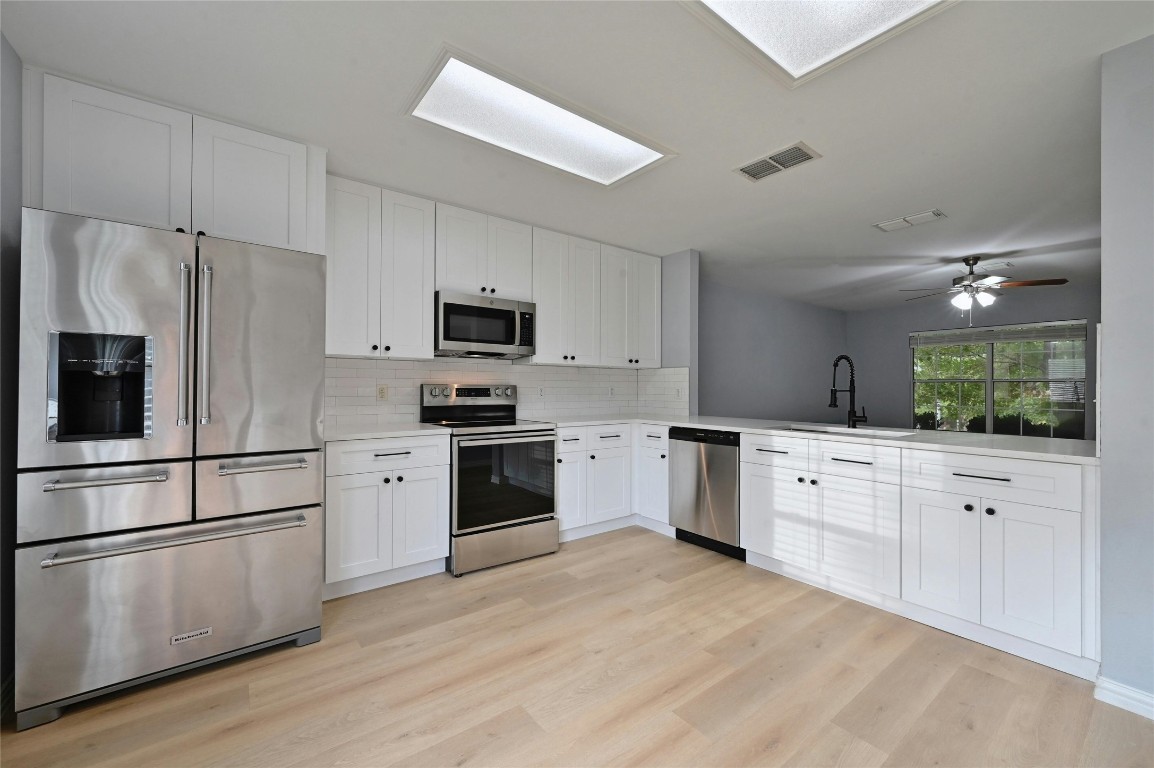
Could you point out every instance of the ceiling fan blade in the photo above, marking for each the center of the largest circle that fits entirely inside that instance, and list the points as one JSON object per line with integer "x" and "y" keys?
{"x": 920, "y": 289}
{"x": 992, "y": 280}
{"x": 939, "y": 293}
{"x": 1028, "y": 283}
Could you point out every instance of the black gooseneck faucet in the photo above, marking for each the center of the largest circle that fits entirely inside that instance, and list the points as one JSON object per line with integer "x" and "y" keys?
{"x": 852, "y": 419}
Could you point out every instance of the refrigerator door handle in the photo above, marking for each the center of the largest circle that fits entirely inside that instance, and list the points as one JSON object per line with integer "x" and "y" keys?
{"x": 205, "y": 358}
{"x": 182, "y": 354}
{"x": 54, "y": 559}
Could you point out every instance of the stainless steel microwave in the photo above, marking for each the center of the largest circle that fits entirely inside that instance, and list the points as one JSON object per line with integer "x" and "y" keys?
{"x": 479, "y": 326}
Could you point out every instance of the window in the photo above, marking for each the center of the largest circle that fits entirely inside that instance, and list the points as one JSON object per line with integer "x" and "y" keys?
{"x": 1008, "y": 380}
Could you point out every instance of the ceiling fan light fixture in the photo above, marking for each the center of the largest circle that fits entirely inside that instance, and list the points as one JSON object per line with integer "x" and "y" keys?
{"x": 963, "y": 301}
{"x": 985, "y": 299}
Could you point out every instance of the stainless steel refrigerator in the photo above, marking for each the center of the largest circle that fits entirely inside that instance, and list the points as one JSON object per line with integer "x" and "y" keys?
{"x": 169, "y": 468}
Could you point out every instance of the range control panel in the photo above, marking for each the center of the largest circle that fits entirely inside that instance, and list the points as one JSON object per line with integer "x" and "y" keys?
{"x": 466, "y": 394}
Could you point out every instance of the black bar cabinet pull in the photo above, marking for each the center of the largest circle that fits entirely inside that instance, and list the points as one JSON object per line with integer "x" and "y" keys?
{"x": 983, "y": 477}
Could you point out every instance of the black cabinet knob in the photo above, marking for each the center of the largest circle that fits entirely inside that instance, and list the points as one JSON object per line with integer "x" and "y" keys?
{"x": 387, "y": 481}
{"x": 387, "y": 348}
{"x": 564, "y": 357}
{"x": 991, "y": 511}
{"x": 558, "y": 461}
{"x": 969, "y": 507}
{"x": 375, "y": 347}
{"x": 801, "y": 479}
{"x": 813, "y": 482}
{"x": 492, "y": 290}
{"x": 592, "y": 456}
{"x": 400, "y": 479}
{"x": 663, "y": 455}
{"x": 483, "y": 289}
{"x": 572, "y": 357}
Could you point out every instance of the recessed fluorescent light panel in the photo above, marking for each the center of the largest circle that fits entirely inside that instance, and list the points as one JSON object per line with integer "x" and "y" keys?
{"x": 477, "y": 104}
{"x": 804, "y": 36}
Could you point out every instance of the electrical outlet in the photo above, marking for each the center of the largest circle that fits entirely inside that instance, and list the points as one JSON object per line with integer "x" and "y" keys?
{"x": 679, "y": 393}
{"x": 540, "y": 391}
{"x": 383, "y": 392}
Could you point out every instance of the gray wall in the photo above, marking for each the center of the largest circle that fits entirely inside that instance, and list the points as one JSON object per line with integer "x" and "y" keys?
{"x": 679, "y": 301}
{"x": 878, "y": 340}
{"x": 765, "y": 357}
{"x": 1127, "y": 439}
{"x": 11, "y": 74}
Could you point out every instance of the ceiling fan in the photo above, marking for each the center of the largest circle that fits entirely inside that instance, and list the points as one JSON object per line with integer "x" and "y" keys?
{"x": 972, "y": 287}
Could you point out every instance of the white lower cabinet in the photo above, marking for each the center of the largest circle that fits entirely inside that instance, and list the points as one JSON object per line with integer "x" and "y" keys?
{"x": 1012, "y": 567}
{"x": 377, "y": 521}
{"x": 653, "y": 483}
{"x": 777, "y": 514}
{"x": 608, "y": 484}
{"x": 859, "y": 532}
{"x": 571, "y": 488}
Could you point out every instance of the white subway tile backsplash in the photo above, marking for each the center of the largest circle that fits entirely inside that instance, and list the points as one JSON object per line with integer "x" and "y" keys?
{"x": 351, "y": 388}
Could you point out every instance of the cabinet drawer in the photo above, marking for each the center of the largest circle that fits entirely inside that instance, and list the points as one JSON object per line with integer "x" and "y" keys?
{"x": 790, "y": 452}
{"x": 608, "y": 436}
{"x": 243, "y": 485}
{"x": 570, "y": 439}
{"x": 348, "y": 457}
{"x": 1041, "y": 483}
{"x": 653, "y": 436}
{"x": 880, "y": 464}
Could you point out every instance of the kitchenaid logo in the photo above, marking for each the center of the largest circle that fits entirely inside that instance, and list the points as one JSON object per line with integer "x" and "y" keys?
{"x": 178, "y": 639}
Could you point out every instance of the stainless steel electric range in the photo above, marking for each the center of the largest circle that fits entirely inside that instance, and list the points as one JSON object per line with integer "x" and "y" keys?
{"x": 503, "y": 502}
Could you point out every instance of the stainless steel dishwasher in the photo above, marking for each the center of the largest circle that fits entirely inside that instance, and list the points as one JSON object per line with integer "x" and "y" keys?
{"x": 703, "y": 481}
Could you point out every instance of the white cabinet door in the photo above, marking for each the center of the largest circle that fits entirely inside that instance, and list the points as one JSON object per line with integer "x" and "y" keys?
{"x": 408, "y": 232}
{"x": 942, "y": 552}
{"x": 615, "y": 297}
{"x": 584, "y": 307}
{"x": 552, "y": 293}
{"x": 1032, "y": 573}
{"x": 510, "y": 260}
{"x": 859, "y": 533}
{"x": 571, "y": 481}
{"x": 777, "y": 514}
{"x": 248, "y": 186}
{"x": 609, "y": 484}
{"x": 114, "y": 157}
{"x": 353, "y": 271}
{"x": 462, "y": 250}
{"x": 653, "y": 483}
{"x": 358, "y": 525}
{"x": 420, "y": 515}
{"x": 645, "y": 310}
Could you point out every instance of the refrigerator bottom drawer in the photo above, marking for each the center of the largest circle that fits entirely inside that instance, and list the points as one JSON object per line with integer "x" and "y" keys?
{"x": 95, "y": 613}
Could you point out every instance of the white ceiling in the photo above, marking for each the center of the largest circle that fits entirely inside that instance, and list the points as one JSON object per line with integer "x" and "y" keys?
{"x": 988, "y": 111}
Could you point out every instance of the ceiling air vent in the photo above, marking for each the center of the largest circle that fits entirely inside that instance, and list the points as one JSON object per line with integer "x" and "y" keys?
{"x": 925, "y": 217}
{"x": 778, "y": 161}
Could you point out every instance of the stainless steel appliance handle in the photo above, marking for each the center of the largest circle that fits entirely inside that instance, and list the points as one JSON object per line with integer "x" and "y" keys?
{"x": 53, "y": 560}
{"x": 851, "y": 461}
{"x": 505, "y": 440}
{"x": 223, "y": 470}
{"x": 182, "y": 354}
{"x": 56, "y": 485}
{"x": 205, "y": 357}
{"x": 396, "y": 453}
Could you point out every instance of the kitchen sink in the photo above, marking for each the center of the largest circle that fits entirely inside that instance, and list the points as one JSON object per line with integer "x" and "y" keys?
{"x": 847, "y": 431}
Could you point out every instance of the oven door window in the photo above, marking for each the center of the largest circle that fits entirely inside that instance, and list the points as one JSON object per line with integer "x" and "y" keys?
{"x": 479, "y": 325}
{"x": 502, "y": 481}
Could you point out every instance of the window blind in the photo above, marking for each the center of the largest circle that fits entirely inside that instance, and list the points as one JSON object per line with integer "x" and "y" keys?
{"x": 1064, "y": 330}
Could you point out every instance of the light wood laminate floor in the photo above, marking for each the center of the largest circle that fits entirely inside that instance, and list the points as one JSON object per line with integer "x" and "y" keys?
{"x": 627, "y": 648}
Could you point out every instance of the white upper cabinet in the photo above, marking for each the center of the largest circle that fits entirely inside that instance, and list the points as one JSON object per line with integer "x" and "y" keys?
{"x": 353, "y": 274}
{"x": 408, "y": 232}
{"x": 248, "y": 186}
{"x": 566, "y": 292}
{"x": 380, "y": 272}
{"x": 483, "y": 254}
{"x": 510, "y": 257}
{"x": 114, "y": 157}
{"x": 630, "y": 308}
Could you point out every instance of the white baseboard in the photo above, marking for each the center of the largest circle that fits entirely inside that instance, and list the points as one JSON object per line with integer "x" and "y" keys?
{"x": 382, "y": 579}
{"x": 1125, "y": 697}
{"x": 655, "y": 525}
{"x": 581, "y": 531}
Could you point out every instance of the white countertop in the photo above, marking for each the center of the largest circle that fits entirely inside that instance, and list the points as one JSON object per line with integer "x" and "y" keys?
{"x": 376, "y": 431}
{"x": 1008, "y": 446}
